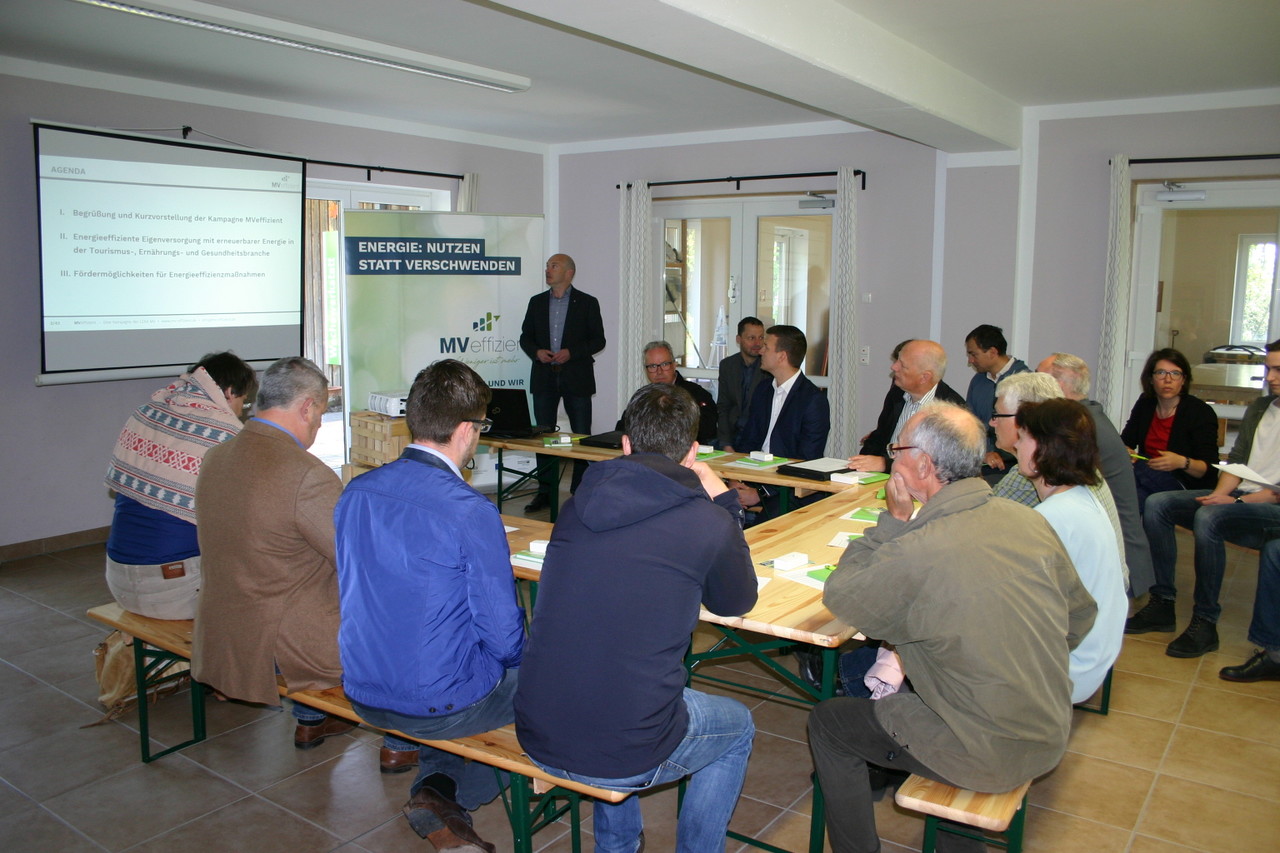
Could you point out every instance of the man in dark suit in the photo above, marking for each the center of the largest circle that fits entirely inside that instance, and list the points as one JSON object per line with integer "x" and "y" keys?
{"x": 740, "y": 374}
{"x": 660, "y": 367}
{"x": 918, "y": 371}
{"x": 788, "y": 417}
{"x": 562, "y": 332}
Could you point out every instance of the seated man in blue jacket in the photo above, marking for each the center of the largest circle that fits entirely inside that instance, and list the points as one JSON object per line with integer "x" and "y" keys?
{"x": 431, "y": 630}
{"x": 647, "y": 539}
{"x": 788, "y": 417}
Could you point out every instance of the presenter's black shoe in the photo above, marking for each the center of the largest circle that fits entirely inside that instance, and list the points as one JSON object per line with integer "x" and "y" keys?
{"x": 1156, "y": 615}
{"x": 1260, "y": 667}
{"x": 540, "y": 502}
{"x": 1200, "y": 638}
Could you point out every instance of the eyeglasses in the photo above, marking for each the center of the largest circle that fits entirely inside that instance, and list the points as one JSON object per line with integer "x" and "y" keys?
{"x": 894, "y": 449}
{"x": 662, "y": 365}
{"x": 485, "y": 424}
{"x": 1000, "y": 415}
{"x": 1172, "y": 374}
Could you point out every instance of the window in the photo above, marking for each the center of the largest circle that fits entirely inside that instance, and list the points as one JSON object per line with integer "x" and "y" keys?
{"x": 727, "y": 260}
{"x": 322, "y": 310}
{"x": 1255, "y": 289}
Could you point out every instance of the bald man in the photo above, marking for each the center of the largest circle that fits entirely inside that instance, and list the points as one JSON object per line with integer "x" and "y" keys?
{"x": 917, "y": 372}
{"x": 561, "y": 334}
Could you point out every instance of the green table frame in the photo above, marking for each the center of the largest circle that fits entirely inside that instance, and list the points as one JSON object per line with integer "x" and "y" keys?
{"x": 733, "y": 644}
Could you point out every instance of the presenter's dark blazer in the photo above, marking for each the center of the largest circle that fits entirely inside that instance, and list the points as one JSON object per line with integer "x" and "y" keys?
{"x": 583, "y": 337}
{"x": 877, "y": 444}
{"x": 802, "y": 427}
{"x": 730, "y": 403}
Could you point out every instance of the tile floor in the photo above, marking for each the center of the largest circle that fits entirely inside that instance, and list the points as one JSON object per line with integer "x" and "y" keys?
{"x": 1184, "y": 761}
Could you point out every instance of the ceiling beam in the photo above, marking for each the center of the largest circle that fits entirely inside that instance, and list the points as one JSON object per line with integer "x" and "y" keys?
{"x": 820, "y": 54}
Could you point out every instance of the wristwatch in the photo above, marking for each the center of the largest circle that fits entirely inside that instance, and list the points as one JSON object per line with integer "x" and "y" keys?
{"x": 1239, "y": 499}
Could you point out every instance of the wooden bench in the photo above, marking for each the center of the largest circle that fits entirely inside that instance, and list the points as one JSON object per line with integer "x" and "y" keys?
{"x": 159, "y": 641}
{"x": 937, "y": 801}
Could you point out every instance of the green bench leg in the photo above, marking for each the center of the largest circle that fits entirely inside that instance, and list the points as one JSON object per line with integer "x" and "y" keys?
{"x": 151, "y": 667}
{"x": 1104, "y": 705}
{"x": 530, "y": 813}
{"x": 1011, "y": 842}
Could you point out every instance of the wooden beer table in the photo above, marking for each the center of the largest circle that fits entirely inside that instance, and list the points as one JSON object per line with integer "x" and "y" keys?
{"x": 576, "y": 451}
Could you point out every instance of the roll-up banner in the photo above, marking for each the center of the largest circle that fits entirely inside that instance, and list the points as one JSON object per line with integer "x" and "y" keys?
{"x": 422, "y": 286}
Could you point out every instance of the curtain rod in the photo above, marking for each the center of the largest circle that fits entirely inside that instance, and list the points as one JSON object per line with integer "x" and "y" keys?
{"x": 369, "y": 170}
{"x": 1221, "y": 159}
{"x": 187, "y": 130}
{"x": 738, "y": 181}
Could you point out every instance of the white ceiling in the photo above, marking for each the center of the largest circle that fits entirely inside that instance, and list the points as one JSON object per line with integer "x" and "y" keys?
{"x": 953, "y": 74}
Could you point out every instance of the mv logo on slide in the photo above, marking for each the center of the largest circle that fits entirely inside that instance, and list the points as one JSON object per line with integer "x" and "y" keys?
{"x": 481, "y": 341}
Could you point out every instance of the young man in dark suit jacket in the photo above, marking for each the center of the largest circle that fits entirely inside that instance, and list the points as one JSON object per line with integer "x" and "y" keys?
{"x": 562, "y": 332}
{"x": 799, "y": 429}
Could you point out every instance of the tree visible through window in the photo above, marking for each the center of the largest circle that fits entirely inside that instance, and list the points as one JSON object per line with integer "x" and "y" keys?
{"x": 1255, "y": 281}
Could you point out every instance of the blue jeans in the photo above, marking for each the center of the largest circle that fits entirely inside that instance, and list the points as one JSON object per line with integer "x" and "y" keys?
{"x": 578, "y": 409}
{"x": 713, "y": 755}
{"x": 1245, "y": 524}
{"x": 1151, "y": 482}
{"x": 477, "y": 783}
{"x": 1264, "y": 630}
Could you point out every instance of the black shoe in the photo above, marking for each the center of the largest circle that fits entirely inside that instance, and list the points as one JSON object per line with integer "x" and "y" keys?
{"x": 1200, "y": 637}
{"x": 809, "y": 665}
{"x": 1156, "y": 615}
{"x": 540, "y": 502}
{"x": 1260, "y": 667}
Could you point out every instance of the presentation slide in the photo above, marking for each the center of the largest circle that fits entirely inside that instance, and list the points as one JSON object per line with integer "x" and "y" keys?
{"x": 155, "y": 252}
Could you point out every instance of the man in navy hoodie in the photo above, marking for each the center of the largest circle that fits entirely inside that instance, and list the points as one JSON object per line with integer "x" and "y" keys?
{"x": 646, "y": 540}
{"x": 431, "y": 632}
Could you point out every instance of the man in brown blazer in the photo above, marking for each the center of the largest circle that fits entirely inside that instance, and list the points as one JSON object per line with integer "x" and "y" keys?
{"x": 264, "y": 509}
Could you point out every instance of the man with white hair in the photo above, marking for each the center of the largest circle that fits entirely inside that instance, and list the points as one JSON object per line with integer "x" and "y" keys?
{"x": 983, "y": 626}
{"x": 918, "y": 371}
{"x": 1072, "y": 374}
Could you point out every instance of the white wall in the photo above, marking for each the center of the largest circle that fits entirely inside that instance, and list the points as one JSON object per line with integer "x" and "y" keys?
{"x": 895, "y": 225}
{"x": 1071, "y": 212}
{"x": 56, "y": 440}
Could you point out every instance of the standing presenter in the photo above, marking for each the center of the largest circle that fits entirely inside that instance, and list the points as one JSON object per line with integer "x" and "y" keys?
{"x": 562, "y": 332}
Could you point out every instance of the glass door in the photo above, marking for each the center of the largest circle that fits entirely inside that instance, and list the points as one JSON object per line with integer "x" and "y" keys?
{"x": 723, "y": 261}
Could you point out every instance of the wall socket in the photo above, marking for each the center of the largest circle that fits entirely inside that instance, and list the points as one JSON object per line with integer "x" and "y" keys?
{"x": 864, "y": 355}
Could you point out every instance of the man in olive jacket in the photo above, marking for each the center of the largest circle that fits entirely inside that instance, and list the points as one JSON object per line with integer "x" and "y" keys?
{"x": 982, "y": 624}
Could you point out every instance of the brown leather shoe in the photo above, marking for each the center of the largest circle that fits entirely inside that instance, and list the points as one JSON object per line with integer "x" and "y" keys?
{"x": 397, "y": 760}
{"x": 306, "y": 737}
{"x": 457, "y": 836}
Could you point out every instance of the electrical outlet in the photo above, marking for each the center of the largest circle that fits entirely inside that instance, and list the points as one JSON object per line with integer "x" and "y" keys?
{"x": 864, "y": 355}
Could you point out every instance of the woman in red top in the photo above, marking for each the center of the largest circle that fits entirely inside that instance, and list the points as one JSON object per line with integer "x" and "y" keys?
{"x": 1176, "y": 432}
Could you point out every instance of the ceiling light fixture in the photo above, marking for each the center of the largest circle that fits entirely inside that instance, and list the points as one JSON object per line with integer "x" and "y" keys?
{"x": 471, "y": 75}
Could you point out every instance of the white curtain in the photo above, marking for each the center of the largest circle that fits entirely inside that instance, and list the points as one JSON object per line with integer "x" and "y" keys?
{"x": 843, "y": 356}
{"x": 635, "y": 281}
{"x": 468, "y": 192}
{"x": 1109, "y": 377}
